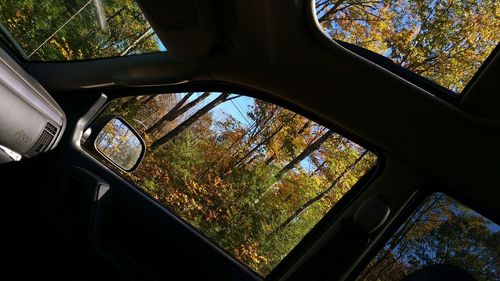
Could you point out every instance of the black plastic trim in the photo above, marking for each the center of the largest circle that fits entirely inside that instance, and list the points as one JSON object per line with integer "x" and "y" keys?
{"x": 404, "y": 73}
{"x": 478, "y": 73}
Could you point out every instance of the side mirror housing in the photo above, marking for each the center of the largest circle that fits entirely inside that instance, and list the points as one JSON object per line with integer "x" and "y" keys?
{"x": 111, "y": 138}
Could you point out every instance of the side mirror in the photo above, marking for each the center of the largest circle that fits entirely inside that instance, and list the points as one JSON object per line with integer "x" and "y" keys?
{"x": 113, "y": 139}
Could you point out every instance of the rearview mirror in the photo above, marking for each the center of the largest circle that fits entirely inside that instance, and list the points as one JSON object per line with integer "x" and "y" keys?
{"x": 118, "y": 143}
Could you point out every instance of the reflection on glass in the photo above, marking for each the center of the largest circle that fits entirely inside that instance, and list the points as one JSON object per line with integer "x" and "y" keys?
{"x": 117, "y": 142}
{"x": 441, "y": 231}
{"x": 60, "y": 30}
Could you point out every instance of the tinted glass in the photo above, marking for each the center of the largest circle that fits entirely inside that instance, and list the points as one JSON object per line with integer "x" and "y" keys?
{"x": 119, "y": 144}
{"x": 441, "y": 231}
{"x": 444, "y": 41}
{"x": 78, "y": 29}
{"x": 251, "y": 176}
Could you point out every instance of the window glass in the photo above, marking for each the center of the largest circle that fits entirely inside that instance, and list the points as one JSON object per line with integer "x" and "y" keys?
{"x": 251, "y": 176}
{"x": 78, "y": 29}
{"x": 441, "y": 231}
{"x": 442, "y": 40}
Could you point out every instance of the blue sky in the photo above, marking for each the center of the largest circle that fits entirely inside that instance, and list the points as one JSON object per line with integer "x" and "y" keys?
{"x": 238, "y": 109}
{"x": 160, "y": 44}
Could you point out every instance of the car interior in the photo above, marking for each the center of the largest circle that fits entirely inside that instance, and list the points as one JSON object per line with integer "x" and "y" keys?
{"x": 78, "y": 207}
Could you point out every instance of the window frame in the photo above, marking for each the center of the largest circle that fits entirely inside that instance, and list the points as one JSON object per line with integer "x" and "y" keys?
{"x": 480, "y": 71}
{"x": 10, "y": 45}
{"x": 330, "y": 218}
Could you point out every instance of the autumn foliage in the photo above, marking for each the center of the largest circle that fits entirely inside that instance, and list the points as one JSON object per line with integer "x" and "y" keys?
{"x": 443, "y": 40}
{"x": 254, "y": 178}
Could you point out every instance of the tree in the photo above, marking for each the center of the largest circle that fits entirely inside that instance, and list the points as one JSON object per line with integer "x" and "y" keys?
{"x": 445, "y": 41}
{"x": 264, "y": 141}
{"x": 283, "y": 146}
{"x": 306, "y": 152}
{"x": 193, "y": 118}
{"x": 319, "y": 196}
{"x": 64, "y": 30}
{"x": 214, "y": 171}
{"x": 179, "y": 109}
{"x": 440, "y": 231}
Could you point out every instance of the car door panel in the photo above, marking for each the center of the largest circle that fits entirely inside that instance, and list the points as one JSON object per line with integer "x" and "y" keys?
{"x": 132, "y": 229}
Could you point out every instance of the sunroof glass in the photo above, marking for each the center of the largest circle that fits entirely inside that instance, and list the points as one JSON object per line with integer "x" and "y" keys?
{"x": 445, "y": 41}
{"x": 77, "y": 30}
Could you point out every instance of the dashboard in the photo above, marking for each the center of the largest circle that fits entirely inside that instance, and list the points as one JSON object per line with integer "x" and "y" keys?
{"x": 31, "y": 122}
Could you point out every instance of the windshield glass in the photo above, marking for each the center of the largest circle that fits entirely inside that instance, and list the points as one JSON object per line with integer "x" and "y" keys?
{"x": 60, "y": 30}
{"x": 443, "y": 40}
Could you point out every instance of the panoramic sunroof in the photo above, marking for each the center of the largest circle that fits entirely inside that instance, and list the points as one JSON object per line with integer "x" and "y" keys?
{"x": 443, "y": 40}
{"x": 61, "y": 30}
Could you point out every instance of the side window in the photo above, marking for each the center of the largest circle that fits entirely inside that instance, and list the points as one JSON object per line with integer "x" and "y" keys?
{"x": 251, "y": 176}
{"x": 441, "y": 231}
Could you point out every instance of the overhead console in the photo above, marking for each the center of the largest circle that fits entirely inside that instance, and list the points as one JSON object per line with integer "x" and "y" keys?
{"x": 31, "y": 122}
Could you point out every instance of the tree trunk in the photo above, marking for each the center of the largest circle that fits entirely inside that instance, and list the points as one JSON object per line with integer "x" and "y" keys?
{"x": 304, "y": 127}
{"x": 400, "y": 235}
{"x": 306, "y": 152}
{"x": 299, "y": 132}
{"x": 260, "y": 124}
{"x": 147, "y": 33}
{"x": 318, "y": 167}
{"x": 270, "y": 159}
{"x": 188, "y": 106}
{"x": 93, "y": 32}
{"x": 148, "y": 99}
{"x": 171, "y": 114}
{"x": 266, "y": 140}
{"x": 320, "y": 196}
{"x": 251, "y": 160}
{"x": 188, "y": 122}
{"x": 226, "y": 152}
{"x": 311, "y": 148}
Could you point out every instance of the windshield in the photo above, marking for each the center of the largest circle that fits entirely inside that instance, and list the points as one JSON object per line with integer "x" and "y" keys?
{"x": 442, "y": 40}
{"x": 61, "y": 30}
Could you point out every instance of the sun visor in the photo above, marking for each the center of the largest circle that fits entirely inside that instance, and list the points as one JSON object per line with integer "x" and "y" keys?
{"x": 186, "y": 27}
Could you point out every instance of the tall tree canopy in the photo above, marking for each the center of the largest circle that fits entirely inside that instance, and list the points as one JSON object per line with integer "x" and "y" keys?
{"x": 443, "y": 40}
{"x": 70, "y": 29}
{"x": 250, "y": 175}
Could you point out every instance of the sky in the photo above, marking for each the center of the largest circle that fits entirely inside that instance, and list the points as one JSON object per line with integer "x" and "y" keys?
{"x": 238, "y": 109}
{"x": 160, "y": 44}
